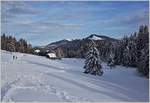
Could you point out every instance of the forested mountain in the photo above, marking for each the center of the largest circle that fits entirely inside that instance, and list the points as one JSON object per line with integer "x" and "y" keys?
{"x": 78, "y": 47}
{"x": 10, "y": 43}
{"x": 129, "y": 51}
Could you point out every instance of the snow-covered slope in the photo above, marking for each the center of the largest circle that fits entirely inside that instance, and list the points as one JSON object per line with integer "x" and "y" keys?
{"x": 96, "y": 38}
{"x": 35, "y": 78}
{"x": 100, "y": 38}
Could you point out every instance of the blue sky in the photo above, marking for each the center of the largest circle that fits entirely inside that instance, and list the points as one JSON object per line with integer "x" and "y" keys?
{"x": 41, "y": 23}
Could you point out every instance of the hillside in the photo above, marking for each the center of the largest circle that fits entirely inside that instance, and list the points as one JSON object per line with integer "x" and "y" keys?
{"x": 33, "y": 78}
{"x": 77, "y": 47}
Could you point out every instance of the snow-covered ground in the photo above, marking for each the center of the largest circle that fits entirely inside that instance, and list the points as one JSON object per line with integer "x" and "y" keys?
{"x": 35, "y": 78}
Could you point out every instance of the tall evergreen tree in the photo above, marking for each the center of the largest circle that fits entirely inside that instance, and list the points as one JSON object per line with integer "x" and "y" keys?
{"x": 111, "y": 61}
{"x": 143, "y": 51}
{"x": 92, "y": 62}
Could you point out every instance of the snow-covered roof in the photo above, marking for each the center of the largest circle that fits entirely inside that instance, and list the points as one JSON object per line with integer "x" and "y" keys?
{"x": 37, "y": 50}
{"x": 47, "y": 50}
{"x": 96, "y": 38}
{"x": 51, "y": 55}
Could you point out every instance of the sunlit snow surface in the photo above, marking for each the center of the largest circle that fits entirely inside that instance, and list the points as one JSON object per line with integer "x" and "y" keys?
{"x": 36, "y": 78}
{"x": 96, "y": 38}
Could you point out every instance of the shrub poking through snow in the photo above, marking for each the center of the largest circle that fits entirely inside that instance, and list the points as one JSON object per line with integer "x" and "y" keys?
{"x": 92, "y": 62}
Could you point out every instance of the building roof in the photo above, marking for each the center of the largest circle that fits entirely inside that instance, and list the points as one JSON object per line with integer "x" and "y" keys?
{"x": 37, "y": 50}
{"x": 51, "y": 55}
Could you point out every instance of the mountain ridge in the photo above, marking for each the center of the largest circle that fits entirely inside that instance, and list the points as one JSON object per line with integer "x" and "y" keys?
{"x": 76, "y": 47}
{"x": 92, "y": 36}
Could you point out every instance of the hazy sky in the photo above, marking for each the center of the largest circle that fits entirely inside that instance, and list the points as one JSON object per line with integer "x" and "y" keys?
{"x": 41, "y": 23}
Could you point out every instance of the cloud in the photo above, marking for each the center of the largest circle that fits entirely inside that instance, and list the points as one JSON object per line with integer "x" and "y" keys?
{"x": 18, "y": 8}
{"x": 132, "y": 19}
{"x": 43, "y": 25}
{"x": 22, "y": 10}
{"x": 14, "y": 9}
{"x": 139, "y": 17}
{"x": 34, "y": 29}
{"x": 54, "y": 20}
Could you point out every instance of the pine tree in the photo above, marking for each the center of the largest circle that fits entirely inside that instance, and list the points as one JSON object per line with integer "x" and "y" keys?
{"x": 143, "y": 51}
{"x": 143, "y": 66}
{"x": 126, "y": 56}
{"x": 111, "y": 61}
{"x": 92, "y": 62}
{"x": 111, "y": 56}
{"x": 3, "y": 42}
{"x": 133, "y": 50}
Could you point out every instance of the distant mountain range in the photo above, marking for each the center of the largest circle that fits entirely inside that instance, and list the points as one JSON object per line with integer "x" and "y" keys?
{"x": 93, "y": 37}
{"x": 75, "y": 48}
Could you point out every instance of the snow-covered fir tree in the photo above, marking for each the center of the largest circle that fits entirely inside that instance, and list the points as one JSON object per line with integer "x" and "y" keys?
{"x": 111, "y": 56}
{"x": 143, "y": 51}
{"x": 111, "y": 61}
{"x": 126, "y": 56}
{"x": 92, "y": 62}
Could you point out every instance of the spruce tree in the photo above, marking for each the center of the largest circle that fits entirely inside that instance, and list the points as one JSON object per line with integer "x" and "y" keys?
{"x": 143, "y": 51}
{"x": 92, "y": 62}
{"x": 111, "y": 61}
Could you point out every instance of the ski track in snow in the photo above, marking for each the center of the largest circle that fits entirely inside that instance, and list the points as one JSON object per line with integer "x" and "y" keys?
{"x": 85, "y": 86}
{"x": 6, "y": 88}
{"x": 82, "y": 85}
{"x": 104, "y": 84}
{"x": 18, "y": 84}
{"x": 69, "y": 80}
{"x": 40, "y": 75}
{"x": 9, "y": 88}
{"x": 61, "y": 94}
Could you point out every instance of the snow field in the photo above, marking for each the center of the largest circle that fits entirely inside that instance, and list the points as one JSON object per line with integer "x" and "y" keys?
{"x": 35, "y": 78}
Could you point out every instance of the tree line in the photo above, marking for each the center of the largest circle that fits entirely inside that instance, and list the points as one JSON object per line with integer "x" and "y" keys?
{"x": 10, "y": 43}
{"x": 132, "y": 51}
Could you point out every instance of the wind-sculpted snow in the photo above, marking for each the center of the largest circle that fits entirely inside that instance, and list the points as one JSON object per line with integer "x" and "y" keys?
{"x": 34, "y": 78}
